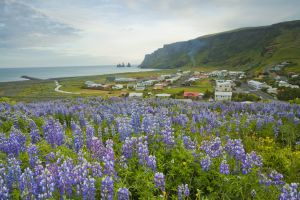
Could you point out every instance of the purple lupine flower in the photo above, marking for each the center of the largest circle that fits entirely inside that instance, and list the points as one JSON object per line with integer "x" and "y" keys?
{"x": 109, "y": 159}
{"x": 107, "y": 188}
{"x": 289, "y": 192}
{"x": 97, "y": 149}
{"x": 276, "y": 178}
{"x": 33, "y": 154}
{"x": 151, "y": 162}
{"x": 183, "y": 191}
{"x": 143, "y": 152}
{"x": 128, "y": 146}
{"x": 50, "y": 157}
{"x": 124, "y": 127}
{"x": 14, "y": 172}
{"x": 224, "y": 167}
{"x": 123, "y": 194}
{"x": 54, "y": 133}
{"x": 235, "y": 148}
{"x": 89, "y": 136}
{"x": 205, "y": 163}
{"x": 96, "y": 169}
{"x": 159, "y": 181}
{"x": 34, "y": 132}
{"x": 66, "y": 177}
{"x": 264, "y": 180}
{"x": 28, "y": 187}
{"x": 188, "y": 143}
{"x": 78, "y": 137}
{"x": 212, "y": 148}
{"x": 4, "y": 192}
{"x": 88, "y": 189}
{"x": 45, "y": 184}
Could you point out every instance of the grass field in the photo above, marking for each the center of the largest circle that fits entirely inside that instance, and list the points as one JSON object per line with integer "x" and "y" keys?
{"x": 33, "y": 90}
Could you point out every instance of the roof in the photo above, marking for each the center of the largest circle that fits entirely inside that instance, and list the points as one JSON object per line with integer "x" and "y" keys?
{"x": 223, "y": 93}
{"x": 163, "y": 95}
{"x": 135, "y": 94}
{"x": 192, "y": 94}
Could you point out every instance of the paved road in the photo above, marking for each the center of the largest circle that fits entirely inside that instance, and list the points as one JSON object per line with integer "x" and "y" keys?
{"x": 58, "y": 86}
{"x": 245, "y": 88}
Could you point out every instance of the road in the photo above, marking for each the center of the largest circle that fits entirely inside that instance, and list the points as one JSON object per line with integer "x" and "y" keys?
{"x": 245, "y": 88}
{"x": 58, "y": 86}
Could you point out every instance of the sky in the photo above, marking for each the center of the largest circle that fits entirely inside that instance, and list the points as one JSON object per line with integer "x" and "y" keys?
{"x": 39, "y": 33}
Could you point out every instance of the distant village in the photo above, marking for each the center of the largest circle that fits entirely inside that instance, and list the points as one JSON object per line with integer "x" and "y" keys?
{"x": 225, "y": 83}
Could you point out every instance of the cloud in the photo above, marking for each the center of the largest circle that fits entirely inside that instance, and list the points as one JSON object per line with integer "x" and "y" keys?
{"x": 112, "y": 31}
{"x": 24, "y": 26}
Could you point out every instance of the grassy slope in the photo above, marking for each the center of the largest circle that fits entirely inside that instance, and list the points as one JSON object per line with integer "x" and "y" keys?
{"x": 250, "y": 48}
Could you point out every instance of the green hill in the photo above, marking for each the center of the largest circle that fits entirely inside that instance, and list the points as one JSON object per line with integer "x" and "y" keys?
{"x": 246, "y": 48}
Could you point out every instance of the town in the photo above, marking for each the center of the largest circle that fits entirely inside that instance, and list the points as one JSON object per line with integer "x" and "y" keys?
{"x": 225, "y": 85}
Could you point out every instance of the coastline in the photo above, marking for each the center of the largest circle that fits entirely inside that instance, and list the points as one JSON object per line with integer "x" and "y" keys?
{"x": 35, "y": 79}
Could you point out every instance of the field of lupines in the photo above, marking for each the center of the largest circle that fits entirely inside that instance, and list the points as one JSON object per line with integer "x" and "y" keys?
{"x": 149, "y": 149}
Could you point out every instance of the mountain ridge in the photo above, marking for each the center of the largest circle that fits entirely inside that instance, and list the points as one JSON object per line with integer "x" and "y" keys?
{"x": 244, "y": 48}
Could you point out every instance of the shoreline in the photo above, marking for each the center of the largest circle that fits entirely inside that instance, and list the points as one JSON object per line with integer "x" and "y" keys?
{"x": 72, "y": 77}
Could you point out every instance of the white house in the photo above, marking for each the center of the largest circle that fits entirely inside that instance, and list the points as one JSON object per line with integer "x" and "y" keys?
{"x": 173, "y": 79}
{"x": 91, "y": 84}
{"x": 286, "y": 84}
{"x": 140, "y": 87}
{"x": 125, "y": 80}
{"x": 223, "y": 86}
{"x": 271, "y": 90}
{"x": 163, "y": 95}
{"x": 256, "y": 84}
{"x": 117, "y": 87}
{"x": 223, "y": 96}
{"x": 134, "y": 94}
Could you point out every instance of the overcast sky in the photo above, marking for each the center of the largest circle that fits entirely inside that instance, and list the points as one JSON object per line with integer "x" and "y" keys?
{"x": 100, "y": 32}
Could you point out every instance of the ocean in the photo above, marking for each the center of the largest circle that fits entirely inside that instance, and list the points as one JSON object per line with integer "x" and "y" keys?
{"x": 14, "y": 74}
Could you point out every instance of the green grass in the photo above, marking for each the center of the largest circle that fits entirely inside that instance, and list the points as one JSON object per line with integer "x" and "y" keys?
{"x": 250, "y": 49}
{"x": 35, "y": 90}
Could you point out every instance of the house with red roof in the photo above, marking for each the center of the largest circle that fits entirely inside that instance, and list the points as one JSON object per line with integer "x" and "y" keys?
{"x": 193, "y": 95}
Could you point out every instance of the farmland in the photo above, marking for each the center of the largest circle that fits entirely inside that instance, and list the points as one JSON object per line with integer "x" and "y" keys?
{"x": 118, "y": 148}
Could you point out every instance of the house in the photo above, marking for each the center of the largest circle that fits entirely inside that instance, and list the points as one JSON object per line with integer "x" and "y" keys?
{"x": 117, "y": 87}
{"x": 256, "y": 84}
{"x": 158, "y": 86}
{"x": 119, "y": 80}
{"x": 236, "y": 73}
{"x": 223, "y": 96}
{"x": 140, "y": 87}
{"x": 106, "y": 87}
{"x": 286, "y": 84}
{"x": 283, "y": 84}
{"x": 203, "y": 76}
{"x": 130, "y": 86}
{"x": 196, "y": 73}
{"x": 173, "y": 79}
{"x": 149, "y": 82}
{"x": 165, "y": 76}
{"x": 134, "y": 94}
{"x": 163, "y": 95}
{"x": 223, "y": 86}
{"x": 186, "y": 72}
{"x": 91, "y": 84}
{"x": 271, "y": 90}
{"x": 193, "y": 79}
{"x": 192, "y": 95}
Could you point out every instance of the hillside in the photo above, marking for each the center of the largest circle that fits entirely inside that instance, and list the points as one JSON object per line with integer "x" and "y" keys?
{"x": 246, "y": 48}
